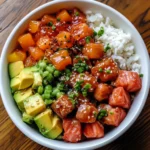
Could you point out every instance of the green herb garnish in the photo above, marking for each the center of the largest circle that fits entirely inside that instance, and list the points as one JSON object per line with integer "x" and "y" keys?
{"x": 87, "y": 39}
{"x": 50, "y": 24}
{"x": 78, "y": 84}
{"x": 102, "y": 113}
{"x": 95, "y": 114}
{"x": 80, "y": 67}
{"x": 107, "y": 48}
{"x": 94, "y": 33}
{"x": 77, "y": 13}
{"x": 53, "y": 27}
{"x": 85, "y": 89}
{"x": 100, "y": 70}
{"x": 73, "y": 97}
{"x": 111, "y": 113}
{"x": 58, "y": 19}
{"x": 101, "y": 31}
{"x": 141, "y": 75}
{"x": 108, "y": 71}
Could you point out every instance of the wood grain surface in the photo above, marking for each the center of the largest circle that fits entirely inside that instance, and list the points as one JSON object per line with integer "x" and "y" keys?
{"x": 138, "y": 136}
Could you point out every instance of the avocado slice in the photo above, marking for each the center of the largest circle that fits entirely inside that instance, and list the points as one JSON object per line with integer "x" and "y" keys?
{"x": 26, "y": 77}
{"x": 49, "y": 126}
{"x": 44, "y": 122}
{"x": 20, "y": 96}
{"x": 56, "y": 128}
{"x": 27, "y": 118}
{"x": 37, "y": 80}
{"x": 15, "y": 68}
{"x": 34, "y": 69}
{"x": 34, "y": 105}
{"x": 15, "y": 83}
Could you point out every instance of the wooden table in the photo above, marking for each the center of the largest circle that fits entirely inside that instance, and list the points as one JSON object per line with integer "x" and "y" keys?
{"x": 138, "y": 136}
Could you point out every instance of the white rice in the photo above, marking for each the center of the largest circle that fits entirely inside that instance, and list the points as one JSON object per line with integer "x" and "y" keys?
{"x": 122, "y": 49}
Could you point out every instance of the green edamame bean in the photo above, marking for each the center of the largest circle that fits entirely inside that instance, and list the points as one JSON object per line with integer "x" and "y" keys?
{"x": 48, "y": 101}
{"x": 55, "y": 91}
{"x": 40, "y": 89}
{"x": 48, "y": 87}
{"x": 41, "y": 72}
{"x": 47, "y": 95}
{"x": 45, "y": 82}
{"x": 50, "y": 78}
{"x": 57, "y": 73}
{"x": 45, "y": 74}
{"x": 50, "y": 69}
{"x": 42, "y": 65}
{"x": 59, "y": 94}
{"x": 43, "y": 96}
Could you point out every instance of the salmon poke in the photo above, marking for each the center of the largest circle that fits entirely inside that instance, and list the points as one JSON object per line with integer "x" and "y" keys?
{"x": 74, "y": 75}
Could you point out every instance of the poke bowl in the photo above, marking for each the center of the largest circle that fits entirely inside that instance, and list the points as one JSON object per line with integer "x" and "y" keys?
{"x": 73, "y": 76}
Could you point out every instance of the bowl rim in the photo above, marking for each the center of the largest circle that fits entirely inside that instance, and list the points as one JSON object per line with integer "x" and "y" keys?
{"x": 19, "y": 126}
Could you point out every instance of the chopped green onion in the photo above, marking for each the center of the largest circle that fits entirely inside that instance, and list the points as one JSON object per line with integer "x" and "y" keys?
{"x": 73, "y": 96}
{"x": 111, "y": 113}
{"x": 85, "y": 89}
{"x": 95, "y": 114}
{"x": 77, "y": 13}
{"x": 87, "y": 39}
{"x": 87, "y": 86}
{"x": 107, "y": 48}
{"x": 50, "y": 24}
{"x": 101, "y": 31}
{"x": 81, "y": 74}
{"x": 102, "y": 113}
{"x": 78, "y": 85}
{"x": 80, "y": 67}
{"x": 77, "y": 56}
{"x": 61, "y": 86}
{"x": 108, "y": 71}
{"x": 100, "y": 70}
{"x": 58, "y": 19}
{"x": 65, "y": 36}
{"x": 141, "y": 75}
{"x": 53, "y": 27}
{"x": 94, "y": 33}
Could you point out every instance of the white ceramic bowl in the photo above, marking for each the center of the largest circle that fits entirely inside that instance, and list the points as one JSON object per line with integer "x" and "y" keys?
{"x": 84, "y": 5}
